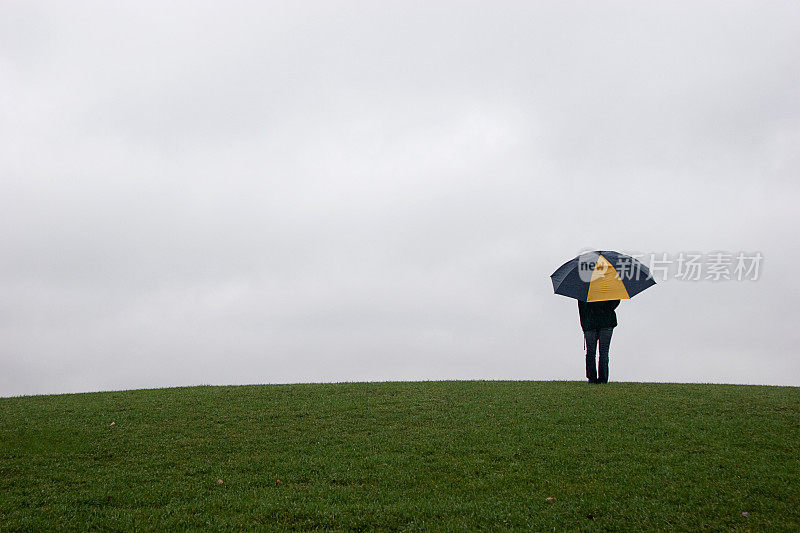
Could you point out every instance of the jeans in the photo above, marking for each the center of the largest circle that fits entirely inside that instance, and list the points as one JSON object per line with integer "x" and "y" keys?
{"x": 599, "y": 374}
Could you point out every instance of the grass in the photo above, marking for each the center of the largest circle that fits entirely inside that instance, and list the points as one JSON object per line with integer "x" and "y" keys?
{"x": 430, "y": 455}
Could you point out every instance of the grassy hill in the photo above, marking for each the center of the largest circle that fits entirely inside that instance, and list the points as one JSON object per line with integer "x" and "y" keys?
{"x": 435, "y": 455}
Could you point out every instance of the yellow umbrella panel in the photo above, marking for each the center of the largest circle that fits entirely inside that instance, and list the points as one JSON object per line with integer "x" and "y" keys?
{"x": 606, "y": 284}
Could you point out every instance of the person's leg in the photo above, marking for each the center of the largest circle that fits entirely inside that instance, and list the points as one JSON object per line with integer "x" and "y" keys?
{"x": 591, "y": 349}
{"x": 605, "y": 345}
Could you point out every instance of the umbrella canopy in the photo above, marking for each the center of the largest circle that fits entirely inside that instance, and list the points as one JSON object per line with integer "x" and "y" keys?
{"x": 601, "y": 275}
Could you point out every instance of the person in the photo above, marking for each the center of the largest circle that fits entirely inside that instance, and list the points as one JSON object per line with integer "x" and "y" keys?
{"x": 598, "y": 321}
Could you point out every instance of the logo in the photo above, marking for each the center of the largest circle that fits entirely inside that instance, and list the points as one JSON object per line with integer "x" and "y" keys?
{"x": 586, "y": 265}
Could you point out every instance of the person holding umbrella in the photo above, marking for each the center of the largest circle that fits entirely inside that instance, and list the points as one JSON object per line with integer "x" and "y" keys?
{"x": 599, "y": 280}
{"x": 598, "y": 321}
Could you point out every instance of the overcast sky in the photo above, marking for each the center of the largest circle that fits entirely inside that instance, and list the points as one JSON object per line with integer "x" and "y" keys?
{"x": 229, "y": 193}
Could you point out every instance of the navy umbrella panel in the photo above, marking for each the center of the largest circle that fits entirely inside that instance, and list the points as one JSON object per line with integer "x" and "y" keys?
{"x": 601, "y": 275}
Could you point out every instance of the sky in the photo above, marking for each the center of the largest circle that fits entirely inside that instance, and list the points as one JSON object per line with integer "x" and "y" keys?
{"x": 279, "y": 192}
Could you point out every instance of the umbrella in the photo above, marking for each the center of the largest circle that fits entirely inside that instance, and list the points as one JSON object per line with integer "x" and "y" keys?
{"x": 601, "y": 275}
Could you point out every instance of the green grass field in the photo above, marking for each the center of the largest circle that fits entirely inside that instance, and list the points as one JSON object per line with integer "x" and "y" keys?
{"x": 430, "y": 455}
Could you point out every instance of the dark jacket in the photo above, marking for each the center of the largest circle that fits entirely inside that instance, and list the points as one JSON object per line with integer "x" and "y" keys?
{"x": 598, "y": 315}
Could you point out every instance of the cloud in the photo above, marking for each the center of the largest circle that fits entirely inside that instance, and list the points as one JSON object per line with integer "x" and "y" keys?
{"x": 269, "y": 192}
